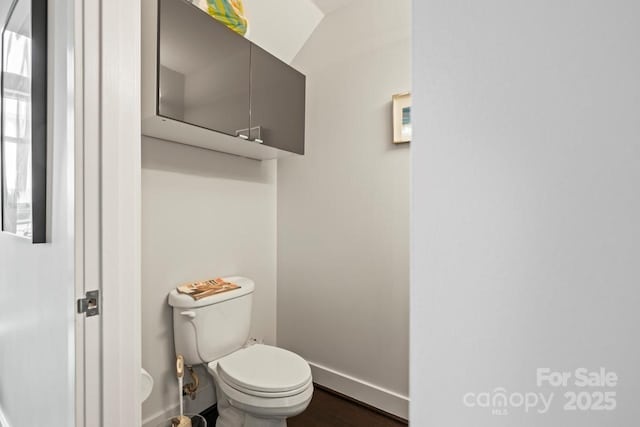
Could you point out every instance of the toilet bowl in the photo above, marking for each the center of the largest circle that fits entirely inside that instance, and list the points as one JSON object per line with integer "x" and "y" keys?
{"x": 256, "y": 385}
{"x": 261, "y": 386}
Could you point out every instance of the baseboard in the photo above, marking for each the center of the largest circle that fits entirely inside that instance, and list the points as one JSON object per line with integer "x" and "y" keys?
{"x": 155, "y": 419}
{"x": 206, "y": 398}
{"x": 370, "y": 394}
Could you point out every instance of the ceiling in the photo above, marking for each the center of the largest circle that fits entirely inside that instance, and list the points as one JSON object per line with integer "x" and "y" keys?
{"x": 284, "y": 40}
{"x": 271, "y": 28}
{"x": 328, "y": 6}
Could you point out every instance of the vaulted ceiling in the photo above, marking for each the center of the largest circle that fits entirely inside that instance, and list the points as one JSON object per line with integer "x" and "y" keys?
{"x": 282, "y": 27}
{"x": 328, "y": 6}
{"x": 271, "y": 22}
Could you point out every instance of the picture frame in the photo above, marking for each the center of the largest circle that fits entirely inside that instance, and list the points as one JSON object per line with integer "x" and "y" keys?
{"x": 23, "y": 121}
{"x": 402, "y": 129}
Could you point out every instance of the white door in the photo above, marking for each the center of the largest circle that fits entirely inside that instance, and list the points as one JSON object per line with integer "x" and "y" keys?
{"x": 38, "y": 343}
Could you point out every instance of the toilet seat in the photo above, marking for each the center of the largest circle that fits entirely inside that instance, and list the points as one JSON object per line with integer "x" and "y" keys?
{"x": 238, "y": 397}
{"x": 265, "y": 371}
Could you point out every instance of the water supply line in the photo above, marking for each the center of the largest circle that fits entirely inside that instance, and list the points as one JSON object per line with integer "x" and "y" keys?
{"x": 191, "y": 388}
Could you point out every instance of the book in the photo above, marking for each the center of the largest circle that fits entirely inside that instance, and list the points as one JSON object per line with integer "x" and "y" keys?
{"x": 206, "y": 288}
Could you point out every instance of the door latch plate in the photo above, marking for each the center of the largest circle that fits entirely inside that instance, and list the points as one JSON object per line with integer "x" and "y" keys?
{"x": 90, "y": 304}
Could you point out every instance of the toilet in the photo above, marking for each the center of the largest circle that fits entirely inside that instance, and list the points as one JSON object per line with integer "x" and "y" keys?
{"x": 256, "y": 385}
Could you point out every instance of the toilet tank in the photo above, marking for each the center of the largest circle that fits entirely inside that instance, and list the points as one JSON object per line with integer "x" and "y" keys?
{"x": 208, "y": 329}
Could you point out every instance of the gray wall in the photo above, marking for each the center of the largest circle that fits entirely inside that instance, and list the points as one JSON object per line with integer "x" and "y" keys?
{"x": 37, "y": 281}
{"x": 204, "y": 214}
{"x": 526, "y": 165}
{"x": 343, "y": 209}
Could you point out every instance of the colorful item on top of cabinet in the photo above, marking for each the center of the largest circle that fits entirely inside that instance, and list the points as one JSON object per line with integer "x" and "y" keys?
{"x": 229, "y": 12}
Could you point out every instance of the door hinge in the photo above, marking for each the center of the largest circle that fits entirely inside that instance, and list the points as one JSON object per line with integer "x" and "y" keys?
{"x": 90, "y": 304}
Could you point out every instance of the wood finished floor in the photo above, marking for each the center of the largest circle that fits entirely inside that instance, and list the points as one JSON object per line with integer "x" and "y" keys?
{"x": 329, "y": 410}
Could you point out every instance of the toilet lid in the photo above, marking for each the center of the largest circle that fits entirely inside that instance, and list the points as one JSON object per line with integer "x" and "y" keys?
{"x": 264, "y": 368}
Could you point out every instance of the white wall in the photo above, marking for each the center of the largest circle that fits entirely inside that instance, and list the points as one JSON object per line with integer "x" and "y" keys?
{"x": 281, "y": 27}
{"x": 526, "y": 205}
{"x": 37, "y": 281}
{"x": 204, "y": 215}
{"x": 343, "y": 209}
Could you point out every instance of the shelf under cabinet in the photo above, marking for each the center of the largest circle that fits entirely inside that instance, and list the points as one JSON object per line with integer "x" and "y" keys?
{"x": 183, "y": 133}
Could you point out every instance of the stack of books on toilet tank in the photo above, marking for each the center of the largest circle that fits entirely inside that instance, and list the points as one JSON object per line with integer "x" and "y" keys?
{"x": 199, "y": 290}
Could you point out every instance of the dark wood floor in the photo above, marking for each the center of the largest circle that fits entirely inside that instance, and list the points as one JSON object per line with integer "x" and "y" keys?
{"x": 328, "y": 410}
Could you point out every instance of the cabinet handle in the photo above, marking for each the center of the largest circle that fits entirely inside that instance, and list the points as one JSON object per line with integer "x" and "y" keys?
{"x": 243, "y": 133}
{"x": 259, "y": 141}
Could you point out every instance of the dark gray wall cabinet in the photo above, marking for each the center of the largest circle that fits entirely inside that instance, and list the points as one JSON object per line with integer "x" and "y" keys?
{"x": 277, "y": 101}
{"x": 205, "y": 85}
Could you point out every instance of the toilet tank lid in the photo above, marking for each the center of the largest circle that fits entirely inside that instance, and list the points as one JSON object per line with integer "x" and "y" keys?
{"x": 179, "y": 300}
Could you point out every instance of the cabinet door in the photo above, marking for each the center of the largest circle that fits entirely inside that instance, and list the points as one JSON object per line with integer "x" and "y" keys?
{"x": 277, "y": 102}
{"x": 204, "y": 70}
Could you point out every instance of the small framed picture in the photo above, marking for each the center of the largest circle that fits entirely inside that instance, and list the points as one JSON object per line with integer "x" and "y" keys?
{"x": 23, "y": 121}
{"x": 401, "y": 118}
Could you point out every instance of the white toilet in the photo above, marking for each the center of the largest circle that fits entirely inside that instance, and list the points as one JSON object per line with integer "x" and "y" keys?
{"x": 256, "y": 385}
